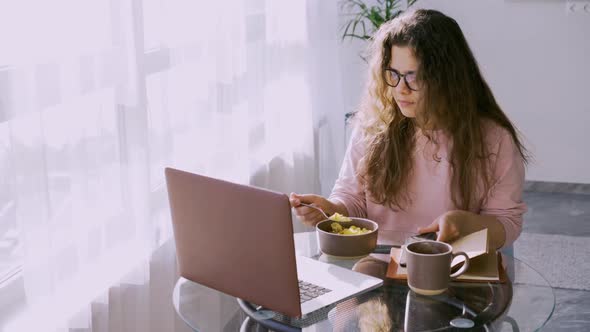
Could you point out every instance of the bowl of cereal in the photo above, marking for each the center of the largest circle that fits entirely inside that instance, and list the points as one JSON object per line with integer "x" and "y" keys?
{"x": 347, "y": 237}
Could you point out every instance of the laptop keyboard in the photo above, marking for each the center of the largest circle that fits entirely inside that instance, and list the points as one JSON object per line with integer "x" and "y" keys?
{"x": 308, "y": 291}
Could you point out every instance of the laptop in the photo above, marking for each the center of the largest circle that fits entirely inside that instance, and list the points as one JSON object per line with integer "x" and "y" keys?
{"x": 238, "y": 239}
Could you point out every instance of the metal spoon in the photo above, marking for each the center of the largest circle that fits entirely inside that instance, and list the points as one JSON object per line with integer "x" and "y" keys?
{"x": 315, "y": 207}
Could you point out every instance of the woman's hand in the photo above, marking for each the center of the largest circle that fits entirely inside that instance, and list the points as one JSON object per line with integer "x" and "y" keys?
{"x": 455, "y": 224}
{"x": 450, "y": 226}
{"x": 310, "y": 216}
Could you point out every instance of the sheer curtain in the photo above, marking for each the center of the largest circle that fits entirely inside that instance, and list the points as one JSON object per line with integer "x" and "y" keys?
{"x": 97, "y": 97}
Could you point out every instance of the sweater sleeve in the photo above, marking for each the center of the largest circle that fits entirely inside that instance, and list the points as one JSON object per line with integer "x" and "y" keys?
{"x": 504, "y": 199}
{"x": 349, "y": 189}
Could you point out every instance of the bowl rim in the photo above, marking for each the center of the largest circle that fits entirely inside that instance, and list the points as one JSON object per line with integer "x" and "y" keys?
{"x": 343, "y": 235}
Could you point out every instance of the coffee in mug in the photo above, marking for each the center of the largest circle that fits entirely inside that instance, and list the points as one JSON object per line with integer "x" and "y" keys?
{"x": 429, "y": 266}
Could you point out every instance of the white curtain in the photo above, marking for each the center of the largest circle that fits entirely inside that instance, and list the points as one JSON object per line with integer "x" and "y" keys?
{"x": 97, "y": 97}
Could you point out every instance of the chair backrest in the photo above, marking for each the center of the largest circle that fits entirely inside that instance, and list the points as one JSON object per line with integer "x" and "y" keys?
{"x": 347, "y": 128}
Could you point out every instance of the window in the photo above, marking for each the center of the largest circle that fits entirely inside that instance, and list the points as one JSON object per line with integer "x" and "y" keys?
{"x": 89, "y": 117}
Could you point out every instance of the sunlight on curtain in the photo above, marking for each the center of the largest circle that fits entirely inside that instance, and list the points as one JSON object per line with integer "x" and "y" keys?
{"x": 97, "y": 97}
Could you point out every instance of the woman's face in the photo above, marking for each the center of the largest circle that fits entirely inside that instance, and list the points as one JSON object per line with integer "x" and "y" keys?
{"x": 403, "y": 68}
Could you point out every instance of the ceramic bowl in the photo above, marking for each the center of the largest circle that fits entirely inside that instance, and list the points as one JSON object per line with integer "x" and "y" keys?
{"x": 347, "y": 246}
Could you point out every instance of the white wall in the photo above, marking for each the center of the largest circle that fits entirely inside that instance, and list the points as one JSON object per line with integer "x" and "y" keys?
{"x": 536, "y": 59}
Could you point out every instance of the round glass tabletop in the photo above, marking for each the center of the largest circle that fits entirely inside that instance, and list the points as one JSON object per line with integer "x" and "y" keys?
{"x": 524, "y": 303}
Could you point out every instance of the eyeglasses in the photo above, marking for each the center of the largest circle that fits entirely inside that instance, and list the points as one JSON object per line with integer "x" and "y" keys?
{"x": 393, "y": 77}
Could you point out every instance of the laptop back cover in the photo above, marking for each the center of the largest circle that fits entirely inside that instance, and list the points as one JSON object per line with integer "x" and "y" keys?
{"x": 236, "y": 239}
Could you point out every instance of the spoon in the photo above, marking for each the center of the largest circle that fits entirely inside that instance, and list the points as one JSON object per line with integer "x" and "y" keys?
{"x": 315, "y": 207}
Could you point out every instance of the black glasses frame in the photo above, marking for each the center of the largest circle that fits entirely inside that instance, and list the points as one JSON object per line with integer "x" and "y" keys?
{"x": 401, "y": 76}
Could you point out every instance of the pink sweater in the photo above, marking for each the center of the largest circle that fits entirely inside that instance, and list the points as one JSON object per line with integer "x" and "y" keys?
{"x": 429, "y": 186}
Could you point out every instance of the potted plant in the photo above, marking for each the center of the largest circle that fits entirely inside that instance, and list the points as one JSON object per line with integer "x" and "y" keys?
{"x": 366, "y": 19}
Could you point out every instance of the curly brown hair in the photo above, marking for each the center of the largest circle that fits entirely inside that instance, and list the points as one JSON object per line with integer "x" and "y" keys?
{"x": 455, "y": 99}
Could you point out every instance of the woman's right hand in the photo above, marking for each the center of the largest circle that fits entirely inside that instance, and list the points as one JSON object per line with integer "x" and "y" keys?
{"x": 307, "y": 215}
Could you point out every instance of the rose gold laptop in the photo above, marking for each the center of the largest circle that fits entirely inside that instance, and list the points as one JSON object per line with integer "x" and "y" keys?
{"x": 238, "y": 239}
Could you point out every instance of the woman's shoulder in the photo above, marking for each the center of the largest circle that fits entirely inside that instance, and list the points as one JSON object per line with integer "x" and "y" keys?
{"x": 363, "y": 134}
{"x": 494, "y": 133}
{"x": 501, "y": 144}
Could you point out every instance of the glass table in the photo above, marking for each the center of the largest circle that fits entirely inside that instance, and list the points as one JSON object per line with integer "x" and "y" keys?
{"x": 525, "y": 303}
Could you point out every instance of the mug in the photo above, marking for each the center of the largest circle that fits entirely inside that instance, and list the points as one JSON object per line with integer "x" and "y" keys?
{"x": 429, "y": 266}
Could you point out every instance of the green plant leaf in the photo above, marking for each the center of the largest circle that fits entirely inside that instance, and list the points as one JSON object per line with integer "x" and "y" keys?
{"x": 364, "y": 37}
{"x": 357, "y": 3}
{"x": 354, "y": 27}
{"x": 345, "y": 33}
{"x": 375, "y": 17}
{"x": 390, "y": 6}
{"x": 353, "y": 23}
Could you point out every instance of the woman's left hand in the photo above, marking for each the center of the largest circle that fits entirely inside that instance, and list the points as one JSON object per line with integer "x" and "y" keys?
{"x": 452, "y": 225}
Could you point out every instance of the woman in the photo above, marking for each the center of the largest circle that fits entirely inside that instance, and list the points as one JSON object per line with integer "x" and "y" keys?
{"x": 431, "y": 150}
